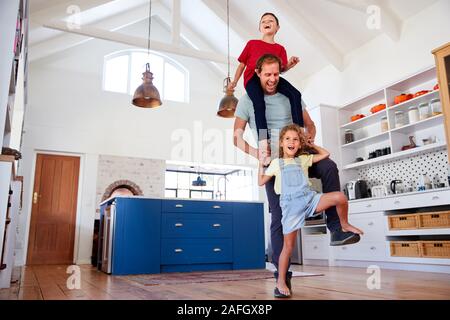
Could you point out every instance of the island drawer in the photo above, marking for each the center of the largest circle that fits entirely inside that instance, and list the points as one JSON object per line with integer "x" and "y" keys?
{"x": 187, "y": 225}
{"x": 197, "y": 206}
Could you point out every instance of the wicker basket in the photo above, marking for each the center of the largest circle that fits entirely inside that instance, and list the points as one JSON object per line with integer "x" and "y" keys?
{"x": 435, "y": 249}
{"x": 434, "y": 219}
{"x": 403, "y": 222}
{"x": 405, "y": 249}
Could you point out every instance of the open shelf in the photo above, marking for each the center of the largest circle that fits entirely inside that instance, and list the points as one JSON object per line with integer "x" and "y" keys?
{"x": 366, "y": 121}
{"x": 418, "y": 232}
{"x": 397, "y": 155}
{"x": 367, "y": 141}
{"x": 415, "y": 101}
{"x": 421, "y": 125}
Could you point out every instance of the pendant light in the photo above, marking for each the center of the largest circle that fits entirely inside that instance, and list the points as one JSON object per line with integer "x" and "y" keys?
{"x": 227, "y": 105}
{"x": 146, "y": 95}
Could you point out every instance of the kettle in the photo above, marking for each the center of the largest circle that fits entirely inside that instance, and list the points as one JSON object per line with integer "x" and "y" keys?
{"x": 396, "y": 186}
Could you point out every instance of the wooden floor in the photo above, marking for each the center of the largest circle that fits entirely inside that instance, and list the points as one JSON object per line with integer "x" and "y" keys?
{"x": 49, "y": 283}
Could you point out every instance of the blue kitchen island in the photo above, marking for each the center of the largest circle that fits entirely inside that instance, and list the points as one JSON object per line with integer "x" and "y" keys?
{"x": 140, "y": 235}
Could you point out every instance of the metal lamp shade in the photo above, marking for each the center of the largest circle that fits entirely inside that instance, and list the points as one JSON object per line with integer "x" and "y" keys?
{"x": 227, "y": 105}
{"x": 146, "y": 95}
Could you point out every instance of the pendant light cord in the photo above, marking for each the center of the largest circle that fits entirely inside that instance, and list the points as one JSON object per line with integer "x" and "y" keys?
{"x": 228, "y": 34}
{"x": 149, "y": 27}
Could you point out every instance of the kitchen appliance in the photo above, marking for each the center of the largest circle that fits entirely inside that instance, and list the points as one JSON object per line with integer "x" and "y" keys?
{"x": 108, "y": 233}
{"x": 379, "y": 191}
{"x": 356, "y": 189}
{"x": 397, "y": 186}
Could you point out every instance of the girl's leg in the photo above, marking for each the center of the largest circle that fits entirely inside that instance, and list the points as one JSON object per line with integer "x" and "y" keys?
{"x": 256, "y": 94}
{"x": 283, "y": 262}
{"x": 295, "y": 98}
{"x": 339, "y": 200}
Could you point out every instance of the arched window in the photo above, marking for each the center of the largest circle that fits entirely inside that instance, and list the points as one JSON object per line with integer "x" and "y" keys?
{"x": 122, "y": 72}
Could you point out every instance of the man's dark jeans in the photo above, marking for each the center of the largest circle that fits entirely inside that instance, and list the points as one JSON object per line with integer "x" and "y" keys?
{"x": 325, "y": 170}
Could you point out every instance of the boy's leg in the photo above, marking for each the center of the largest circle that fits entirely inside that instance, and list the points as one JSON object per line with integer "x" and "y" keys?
{"x": 327, "y": 171}
{"x": 256, "y": 94}
{"x": 295, "y": 99}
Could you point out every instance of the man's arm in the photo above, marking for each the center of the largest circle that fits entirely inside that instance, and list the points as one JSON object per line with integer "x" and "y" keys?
{"x": 238, "y": 138}
{"x": 309, "y": 125}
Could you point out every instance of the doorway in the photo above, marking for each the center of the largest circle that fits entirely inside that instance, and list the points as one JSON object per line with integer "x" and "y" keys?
{"x": 53, "y": 212}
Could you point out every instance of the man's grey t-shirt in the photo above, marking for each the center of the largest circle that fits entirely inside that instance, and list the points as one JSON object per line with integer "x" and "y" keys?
{"x": 278, "y": 115}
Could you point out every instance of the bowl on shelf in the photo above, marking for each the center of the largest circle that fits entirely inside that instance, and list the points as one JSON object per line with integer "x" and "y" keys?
{"x": 377, "y": 108}
{"x": 357, "y": 117}
{"x": 402, "y": 98}
{"x": 421, "y": 93}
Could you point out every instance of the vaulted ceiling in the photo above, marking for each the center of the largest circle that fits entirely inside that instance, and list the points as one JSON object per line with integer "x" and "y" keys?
{"x": 320, "y": 32}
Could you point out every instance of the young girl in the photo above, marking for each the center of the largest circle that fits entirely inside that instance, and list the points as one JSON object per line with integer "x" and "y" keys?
{"x": 254, "y": 49}
{"x": 297, "y": 200}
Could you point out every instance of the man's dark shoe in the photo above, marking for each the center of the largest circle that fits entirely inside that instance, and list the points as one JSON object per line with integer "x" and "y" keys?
{"x": 341, "y": 238}
{"x": 288, "y": 279}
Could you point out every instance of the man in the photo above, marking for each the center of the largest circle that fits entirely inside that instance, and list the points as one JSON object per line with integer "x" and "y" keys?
{"x": 278, "y": 114}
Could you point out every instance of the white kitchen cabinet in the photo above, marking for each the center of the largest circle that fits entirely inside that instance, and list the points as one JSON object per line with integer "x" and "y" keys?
{"x": 362, "y": 251}
{"x": 365, "y": 205}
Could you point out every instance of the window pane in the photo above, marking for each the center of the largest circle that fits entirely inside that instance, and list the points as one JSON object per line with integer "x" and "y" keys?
{"x": 170, "y": 193}
{"x": 171, "y": 179}
{"x": 116, "y": 74}
{"x": 196, "y": 194}
{"x": 183, "y": 194}
{"x": 138, "y": 62}
{"x": 207, "y": 195}
{"x": 183, "y": 180}
{"x": 174, "y": 83}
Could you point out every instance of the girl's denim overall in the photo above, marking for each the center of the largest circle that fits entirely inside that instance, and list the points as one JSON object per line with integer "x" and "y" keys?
{"x": 297, "y": 200}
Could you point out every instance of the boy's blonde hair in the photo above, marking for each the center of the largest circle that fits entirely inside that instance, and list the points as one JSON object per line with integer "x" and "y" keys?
{"x": 301, "y": 136}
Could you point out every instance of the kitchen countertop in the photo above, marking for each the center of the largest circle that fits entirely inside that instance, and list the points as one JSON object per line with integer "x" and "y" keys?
{"x": 181, "y": 199}
{"x": 400, "y": 195}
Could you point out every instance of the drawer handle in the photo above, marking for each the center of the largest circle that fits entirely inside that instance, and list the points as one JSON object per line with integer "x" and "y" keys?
{"x": 370, "y": 223}
{"x": 344, "y": 248}
{"x": 178, "y": 206}
{"x": 217, "y": 249}
{"x": 217, "y": 207}
{"x": 369, "y": 206}
{"x": 178, "y": 250}
{"x": 397, "y": 202}
{"x": 435, "y": 198}
{"x": 216, "y": 225}
{"x": 315, "y": 247}
{"x": 178, "y": 225}
{"x": 373, "y": 248}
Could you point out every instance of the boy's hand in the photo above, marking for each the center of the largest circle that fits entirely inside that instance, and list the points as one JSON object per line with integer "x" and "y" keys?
{"x": 293, "y": 62}
{"x": 232, "y": 85}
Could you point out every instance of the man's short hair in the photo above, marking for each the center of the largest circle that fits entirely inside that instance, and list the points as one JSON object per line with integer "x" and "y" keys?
{"x": 267, "y": 59}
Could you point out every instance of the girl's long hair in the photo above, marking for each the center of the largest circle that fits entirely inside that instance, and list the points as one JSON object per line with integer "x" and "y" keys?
{"x": 301, "y": 135}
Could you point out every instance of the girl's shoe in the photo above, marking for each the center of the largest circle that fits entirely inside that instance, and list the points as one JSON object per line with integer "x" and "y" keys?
{"x": 278, "y": 294}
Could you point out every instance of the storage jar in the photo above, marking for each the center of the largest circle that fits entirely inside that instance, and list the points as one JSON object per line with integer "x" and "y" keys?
{"x": 349, "y": 137}
{"x": 400, "y": 120}
{"x": 384, "y": 124}
{"x": 413, "y": 114}
{"x": 436, "y": 107}
{"x": 424, "y": 111}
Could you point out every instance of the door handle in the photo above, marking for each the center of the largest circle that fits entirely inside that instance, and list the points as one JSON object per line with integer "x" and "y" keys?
{"x": 217, "y": 249}
{"x": 178, "y": 225}
{"x": 216, "y": 225}
{"x": 178, "y": 250}
{"x": 216, "y": 207}
{"x": 35, "y": 197}
{"x": 178, "y": 206}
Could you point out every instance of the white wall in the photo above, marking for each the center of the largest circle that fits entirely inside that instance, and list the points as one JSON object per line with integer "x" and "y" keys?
{"x": 382, "y": 61}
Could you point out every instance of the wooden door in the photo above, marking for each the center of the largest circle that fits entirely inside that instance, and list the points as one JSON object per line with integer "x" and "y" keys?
{"x": 53, "y": 214}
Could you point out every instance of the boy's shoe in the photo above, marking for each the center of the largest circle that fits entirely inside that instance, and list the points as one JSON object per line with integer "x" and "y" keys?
{"x": 341, "y": 238}
{"x": 288, "y": 279}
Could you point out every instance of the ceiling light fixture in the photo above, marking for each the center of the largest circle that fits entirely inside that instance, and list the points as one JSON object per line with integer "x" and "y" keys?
{"x": 227, "y": 105}
{"x": 146, "y": 95}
